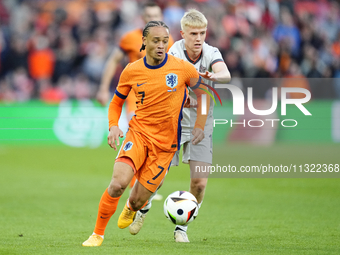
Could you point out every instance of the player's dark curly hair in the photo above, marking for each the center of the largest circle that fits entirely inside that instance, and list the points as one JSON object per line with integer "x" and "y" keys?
{"x": 152, "y": 24}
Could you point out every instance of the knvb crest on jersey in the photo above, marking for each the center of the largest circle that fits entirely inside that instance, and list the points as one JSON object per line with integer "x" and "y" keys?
{"x": 171, "y": 80}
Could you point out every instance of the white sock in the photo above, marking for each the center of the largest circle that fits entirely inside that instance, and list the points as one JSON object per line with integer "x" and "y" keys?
{"x": 102, "y": 236}
{"x": 182, "y": 228}
{"x": 149, "y": 204}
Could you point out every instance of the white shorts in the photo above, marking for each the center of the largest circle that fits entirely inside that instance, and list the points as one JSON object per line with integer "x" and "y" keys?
{"x": 201, "y": 152}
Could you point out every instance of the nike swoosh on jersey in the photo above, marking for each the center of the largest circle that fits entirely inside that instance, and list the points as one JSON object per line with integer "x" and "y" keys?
{"x": 140, "y": 84}
{"x": 150, "y": 182}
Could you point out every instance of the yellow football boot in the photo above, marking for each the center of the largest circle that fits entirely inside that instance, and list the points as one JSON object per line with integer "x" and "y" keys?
{"x": 126, "y": 217}
{"x": 94, "y": 240}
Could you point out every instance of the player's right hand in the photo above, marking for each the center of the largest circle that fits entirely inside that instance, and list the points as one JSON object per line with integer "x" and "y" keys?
{"x": 103, "y": 96}
{"x": 198, "y": 135}
{"x": 208, "y": 75}
{"x": 113, "y": 137}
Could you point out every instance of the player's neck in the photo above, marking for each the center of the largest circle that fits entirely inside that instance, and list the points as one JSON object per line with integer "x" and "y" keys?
{"x": 153, "y": 62}
{"x": 193, "y": 55}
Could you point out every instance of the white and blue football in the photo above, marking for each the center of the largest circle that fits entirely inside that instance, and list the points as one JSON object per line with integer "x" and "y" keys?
{"x": 181, "y": 207}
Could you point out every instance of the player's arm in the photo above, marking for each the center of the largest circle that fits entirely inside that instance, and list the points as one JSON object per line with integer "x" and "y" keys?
{"x": 115, "y": 109}
{"x": 221, "y": 73}
{"x": 203, "y": 103}
{"x": 103, "y": 94}
{"x": 220, "y": 70}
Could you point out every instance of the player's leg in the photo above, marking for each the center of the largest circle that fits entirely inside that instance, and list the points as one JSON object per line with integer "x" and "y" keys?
{"x": 122, "y": 175}
{"x": 155, "y": 196}
{"x": 138, "y": 198}
{"x": 199, "y": 157}
{"x": 131, "y": 156}
{"x": 149, "y": 178}
{"x": 138, "y": 222}
{"x": 197, "y": 188}
{"x": 198, "y": 182}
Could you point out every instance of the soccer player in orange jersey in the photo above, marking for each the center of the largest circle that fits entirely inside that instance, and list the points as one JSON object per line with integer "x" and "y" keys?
{"x": 159, "y": 82}
{"x": 209, "y": 63}
{"x": 129, "y": 45}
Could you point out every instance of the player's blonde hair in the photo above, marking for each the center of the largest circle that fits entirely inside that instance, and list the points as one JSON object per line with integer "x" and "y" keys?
{"x": 193, "y": 18}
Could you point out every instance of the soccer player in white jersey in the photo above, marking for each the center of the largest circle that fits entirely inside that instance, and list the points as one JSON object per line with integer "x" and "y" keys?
{"x": 211, "y": 67}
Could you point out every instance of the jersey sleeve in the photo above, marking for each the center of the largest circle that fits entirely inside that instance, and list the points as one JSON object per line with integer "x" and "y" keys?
{"x": 121, "y": 93}
{"x": 216, "y": 56}
{"x": 195, "y": 82}
{"x": 124, "y": 84}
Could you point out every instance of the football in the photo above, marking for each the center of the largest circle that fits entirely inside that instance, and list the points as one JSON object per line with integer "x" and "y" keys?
{"x": 181, "y": 207}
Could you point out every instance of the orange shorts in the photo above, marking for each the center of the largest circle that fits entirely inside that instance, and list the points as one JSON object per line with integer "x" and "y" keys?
{"x": 151, "y": 163}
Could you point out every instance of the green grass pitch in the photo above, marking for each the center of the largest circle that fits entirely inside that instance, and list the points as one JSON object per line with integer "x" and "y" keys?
{"x": 49, "y": 199}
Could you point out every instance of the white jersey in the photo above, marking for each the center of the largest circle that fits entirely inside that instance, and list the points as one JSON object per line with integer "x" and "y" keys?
{"x": 209, "y": 56}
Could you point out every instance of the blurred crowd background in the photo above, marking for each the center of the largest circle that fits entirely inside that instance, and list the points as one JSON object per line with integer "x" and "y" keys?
{"x": 56, "y": 50}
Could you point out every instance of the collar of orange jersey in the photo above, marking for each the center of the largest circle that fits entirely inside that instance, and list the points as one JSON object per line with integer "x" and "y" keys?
{"x": 157, "y": 66}
{"x": 190, "y": 60}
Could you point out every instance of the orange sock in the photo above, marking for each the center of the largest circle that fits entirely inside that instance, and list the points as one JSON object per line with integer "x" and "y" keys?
{"x": 107, "y": 207}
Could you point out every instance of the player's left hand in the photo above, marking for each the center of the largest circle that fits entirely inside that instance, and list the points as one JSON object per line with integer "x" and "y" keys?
{"x": 208, "y": 75}
{"x": 113, "y": 137}
{"x": 198, "y": 136}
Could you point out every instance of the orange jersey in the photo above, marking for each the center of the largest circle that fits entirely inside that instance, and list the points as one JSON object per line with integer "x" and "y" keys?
{"x": 131, "y": 43}
{"x": 161, "y": 93}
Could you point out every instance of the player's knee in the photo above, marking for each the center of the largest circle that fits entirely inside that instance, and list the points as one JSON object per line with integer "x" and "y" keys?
{"x": 116, "y": 189}
{"x": 135, "y": 204}
{"x": 198, "y": 185}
